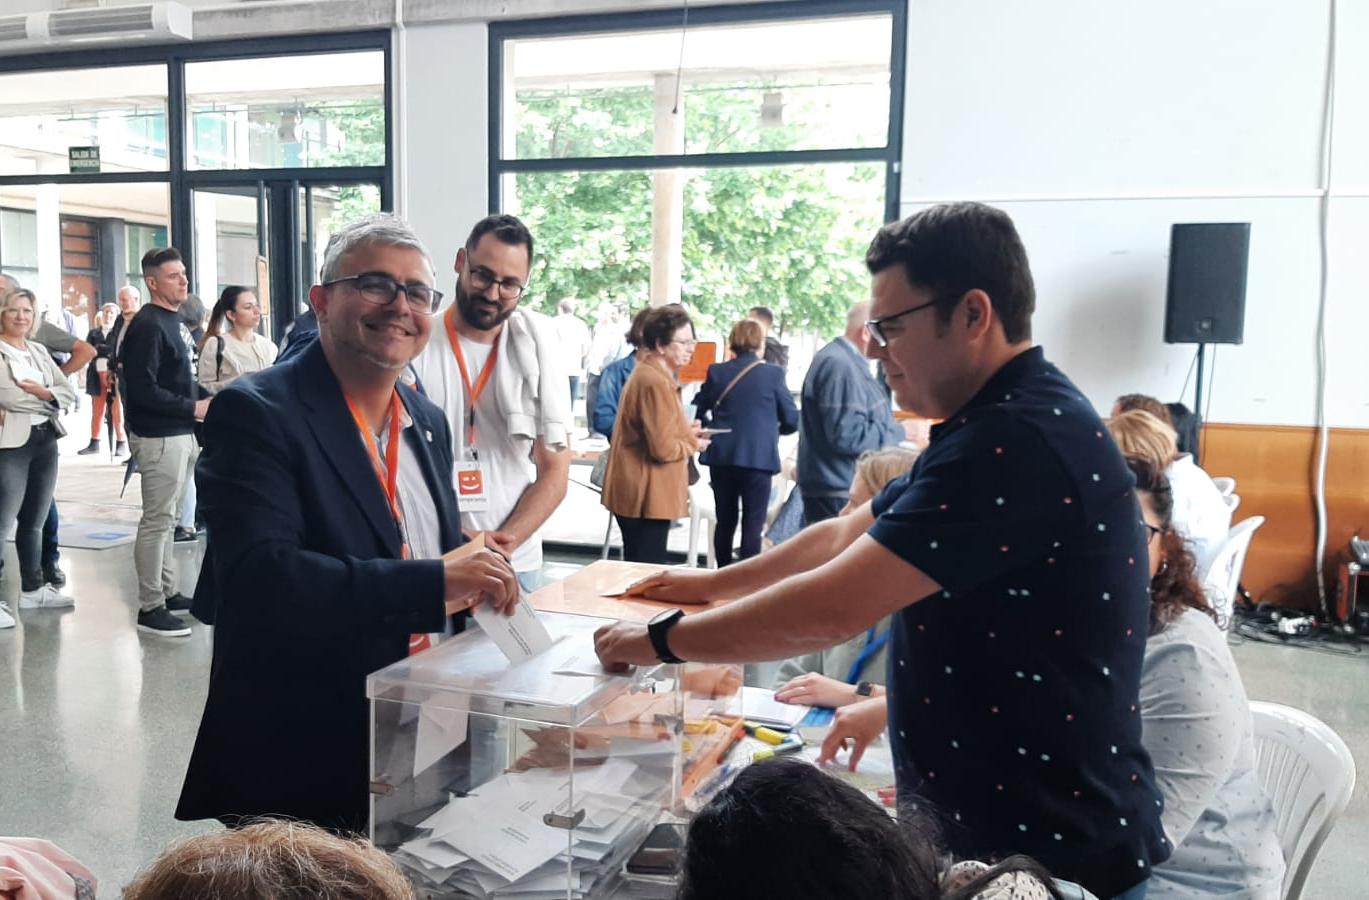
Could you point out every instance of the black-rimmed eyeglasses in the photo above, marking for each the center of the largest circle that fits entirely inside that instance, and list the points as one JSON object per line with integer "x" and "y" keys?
{"x": 381, "y": 289}
{"x": 875, "y": 327}
{"x": 509, "y": 288}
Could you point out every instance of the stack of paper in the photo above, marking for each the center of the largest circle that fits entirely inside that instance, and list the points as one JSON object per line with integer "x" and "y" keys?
{"x": 495, "y": 842}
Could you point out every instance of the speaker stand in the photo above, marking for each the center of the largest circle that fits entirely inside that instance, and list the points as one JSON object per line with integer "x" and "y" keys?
{"x": 1198, "y": 391}
{"x": 1198, "y": 404}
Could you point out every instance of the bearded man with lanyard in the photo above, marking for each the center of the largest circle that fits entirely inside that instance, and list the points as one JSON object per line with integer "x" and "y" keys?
{"x": 326, "y": 487}
{"x": 494, "y": 369}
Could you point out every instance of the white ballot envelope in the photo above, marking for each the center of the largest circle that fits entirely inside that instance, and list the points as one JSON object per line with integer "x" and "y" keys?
{"x": 519, "y": 636}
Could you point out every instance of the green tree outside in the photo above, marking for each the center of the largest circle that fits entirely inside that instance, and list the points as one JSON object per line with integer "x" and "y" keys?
{"x": 788, "y": 237}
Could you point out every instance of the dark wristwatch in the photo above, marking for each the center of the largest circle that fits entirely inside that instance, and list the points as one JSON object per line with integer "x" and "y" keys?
{"x": 864, "y": 689}
{"x": 657, "y": 629}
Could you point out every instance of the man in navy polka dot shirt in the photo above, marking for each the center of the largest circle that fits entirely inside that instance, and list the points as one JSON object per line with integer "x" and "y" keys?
{"x": 1013, "y": 556}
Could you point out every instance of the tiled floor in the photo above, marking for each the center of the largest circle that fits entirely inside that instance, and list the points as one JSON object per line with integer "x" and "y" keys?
{"x": 99, "y": 719}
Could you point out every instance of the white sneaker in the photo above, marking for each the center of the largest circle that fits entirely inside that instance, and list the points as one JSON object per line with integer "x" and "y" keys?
{"x": 46, "y": 597}
{"x": 6, "y": 620}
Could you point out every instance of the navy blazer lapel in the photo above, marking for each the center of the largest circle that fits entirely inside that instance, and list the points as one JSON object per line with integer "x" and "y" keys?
{"x": 423, "y": 442}
{"x": 336, "y": 432}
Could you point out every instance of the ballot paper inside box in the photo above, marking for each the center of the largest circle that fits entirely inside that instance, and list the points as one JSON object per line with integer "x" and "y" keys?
{"x": 536, "y": 779}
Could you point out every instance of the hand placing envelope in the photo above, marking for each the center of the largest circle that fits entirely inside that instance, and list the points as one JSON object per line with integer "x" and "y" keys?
{"x": 476, "y": 574}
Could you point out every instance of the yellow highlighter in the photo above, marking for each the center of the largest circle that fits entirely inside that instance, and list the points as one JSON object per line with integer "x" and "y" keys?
{"x": 769, "y": 735}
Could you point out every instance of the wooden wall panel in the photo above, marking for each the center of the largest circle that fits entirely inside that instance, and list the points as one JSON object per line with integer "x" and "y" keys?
{"x": 1275, "y": 470}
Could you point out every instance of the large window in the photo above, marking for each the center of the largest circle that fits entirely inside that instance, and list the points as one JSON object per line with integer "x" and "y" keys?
{"x": 744, "y": 160}
{"x": 240, "y": 153}
{"x": 326, "y": 109}
{"x": 121, "y": 110}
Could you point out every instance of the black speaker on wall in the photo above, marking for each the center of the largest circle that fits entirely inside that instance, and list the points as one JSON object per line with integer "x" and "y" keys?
{"x": 1205, "y": 303}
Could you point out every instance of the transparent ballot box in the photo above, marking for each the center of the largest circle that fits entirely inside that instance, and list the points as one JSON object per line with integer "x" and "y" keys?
{"x": 541, "y": 778}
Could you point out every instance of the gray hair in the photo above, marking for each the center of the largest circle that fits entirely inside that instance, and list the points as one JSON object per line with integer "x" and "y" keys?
{"x": 137, "y": 294}
{"x": 857, "y": 314}
{"x": 377, "y": 230}
{"x": 11, "y": 281}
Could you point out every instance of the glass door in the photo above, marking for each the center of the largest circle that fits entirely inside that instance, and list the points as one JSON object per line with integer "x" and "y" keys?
{"x": 270, "y": 236}
{"x": 232, "y": 246}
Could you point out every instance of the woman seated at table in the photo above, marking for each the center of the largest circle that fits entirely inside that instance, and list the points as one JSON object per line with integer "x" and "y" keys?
{"x": 1196, "y": 726}
{"x": 785, "y": 829}
{"x": 812, "y": 679}
{"x": 1200, "y": 512}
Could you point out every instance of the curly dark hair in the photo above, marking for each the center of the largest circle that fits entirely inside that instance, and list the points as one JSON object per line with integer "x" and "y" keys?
{"x": 1175, "y": 587}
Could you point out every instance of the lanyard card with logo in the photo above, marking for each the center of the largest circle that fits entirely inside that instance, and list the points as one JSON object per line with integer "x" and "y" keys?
{"x": 387, "y": 473}
{"x": 471, "y": 478}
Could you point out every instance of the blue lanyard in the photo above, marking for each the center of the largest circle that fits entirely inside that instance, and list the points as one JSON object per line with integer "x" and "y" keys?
{"x": 872, "y": 646}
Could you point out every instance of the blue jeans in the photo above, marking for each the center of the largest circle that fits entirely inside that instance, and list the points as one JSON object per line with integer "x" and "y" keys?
{"x": 50, "y": 553}
{"x": 28, "y": 475}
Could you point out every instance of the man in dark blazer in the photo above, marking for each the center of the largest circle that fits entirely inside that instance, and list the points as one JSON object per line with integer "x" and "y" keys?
{"x": 844, "y": 414}
{"x": 749, "y": 397}
{"x": 321, "y": 565}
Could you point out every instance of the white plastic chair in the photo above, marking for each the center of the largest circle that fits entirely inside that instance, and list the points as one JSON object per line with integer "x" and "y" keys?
{"x": 1224, "y": 574}
{"x": 1308, "y": 774}
{"x": 701, "y": 509}
{"x": 1224, "y": 484}
{"x": 1232, "y": 501}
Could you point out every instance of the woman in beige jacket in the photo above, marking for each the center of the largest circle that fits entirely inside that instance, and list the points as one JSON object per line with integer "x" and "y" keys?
{"x": 231, "y": 346}
{"x": 646, "y": 484}
{"x": 33, "y": 393}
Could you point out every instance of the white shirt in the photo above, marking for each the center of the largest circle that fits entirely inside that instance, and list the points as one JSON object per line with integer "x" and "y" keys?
{"x": 508, "y": 470}
{"x": 1196, "y": 726}
{"x": 573, "y": 340}
{"x": 1200, "y": 513}
{"x": 24, "y": 368}
{"x": 238, "y": 358}
{"x": 422, "y": 530}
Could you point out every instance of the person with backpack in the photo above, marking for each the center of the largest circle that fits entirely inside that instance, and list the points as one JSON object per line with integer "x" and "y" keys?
{"x": 232, "y": 347}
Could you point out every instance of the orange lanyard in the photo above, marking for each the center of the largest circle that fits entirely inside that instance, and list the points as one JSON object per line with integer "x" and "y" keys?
{"x": 472, "y": 393}
{"x": 389, "y": 478}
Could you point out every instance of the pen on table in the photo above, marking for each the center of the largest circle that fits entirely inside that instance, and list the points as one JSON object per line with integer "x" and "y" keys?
{"x": 718, "y": 778}
{"x": 791, "y": 744}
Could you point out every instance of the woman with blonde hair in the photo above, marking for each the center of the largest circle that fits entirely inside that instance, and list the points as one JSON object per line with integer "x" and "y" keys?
{"x": 33, "y": 395}
{"x": 271, "y": 860}
{"x": 1200, "y": 512}
{"x": 859, "y": 663}
{"x": 749, "y": 402}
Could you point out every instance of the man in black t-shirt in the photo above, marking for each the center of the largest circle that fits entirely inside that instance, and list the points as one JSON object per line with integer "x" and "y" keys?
{"x": 1012, "y": 557}
{"x": 161, "y": 402}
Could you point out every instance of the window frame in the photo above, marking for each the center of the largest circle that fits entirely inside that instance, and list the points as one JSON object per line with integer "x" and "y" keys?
{"x": 890, "y": 154}
{"x": 179, "y": 177}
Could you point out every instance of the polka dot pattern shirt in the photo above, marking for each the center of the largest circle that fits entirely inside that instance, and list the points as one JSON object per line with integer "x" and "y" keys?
{"x": 1014, "y": 691}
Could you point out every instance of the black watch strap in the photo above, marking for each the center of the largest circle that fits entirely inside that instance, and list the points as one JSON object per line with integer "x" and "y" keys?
{"x": 864, "y": 689}
{"x": 658, "y": 628}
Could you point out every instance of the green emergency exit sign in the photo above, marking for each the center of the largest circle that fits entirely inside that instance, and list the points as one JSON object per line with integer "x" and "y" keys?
{"x": 83, "y": 159}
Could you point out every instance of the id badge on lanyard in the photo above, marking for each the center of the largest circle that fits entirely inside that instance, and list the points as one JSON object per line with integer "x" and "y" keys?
{"x": 471, "y": 476}
{"x": 471, "y": 484}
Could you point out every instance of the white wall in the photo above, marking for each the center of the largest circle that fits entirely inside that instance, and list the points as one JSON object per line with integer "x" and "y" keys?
{"x": 1097, "y": 125}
